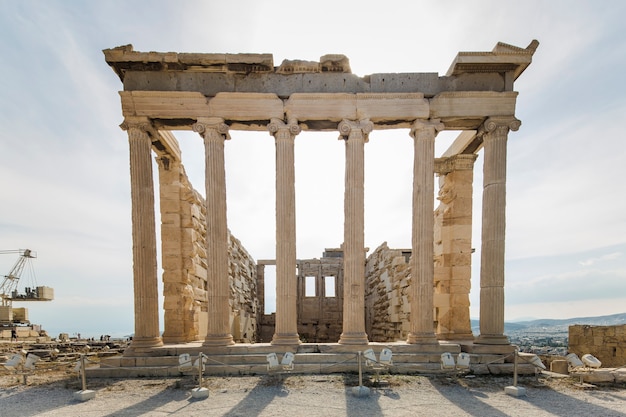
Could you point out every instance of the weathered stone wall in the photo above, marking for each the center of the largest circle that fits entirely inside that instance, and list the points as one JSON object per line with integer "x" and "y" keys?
{"x": 387, "y": 302}
{"x": 183, "y": 231}
{"x": 607, "y": 343}
{"x": 244, "y": 306}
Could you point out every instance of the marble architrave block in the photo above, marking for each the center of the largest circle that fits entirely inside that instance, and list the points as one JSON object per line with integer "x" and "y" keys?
{"x": 164, "y": 104}
{"x": 315, "y": 106}
{"x": 246, "y": 106}
{"x": 467, "y": 104}
{"x": 381, "y": 107}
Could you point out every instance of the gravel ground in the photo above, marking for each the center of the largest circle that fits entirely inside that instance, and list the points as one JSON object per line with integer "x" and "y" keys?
{"x": 51, "y": 394}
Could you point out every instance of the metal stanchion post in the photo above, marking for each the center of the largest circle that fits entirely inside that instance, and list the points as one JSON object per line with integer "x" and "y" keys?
{"x": 200, "y": 392}
{"x": 360, "y": 371}
{"x": 200, "y": 369}
{"x": 360, "y": 391}
{"x": 515, "y": 390}
{"x": 82, "y": 372}
{"x": 84, "y": 394}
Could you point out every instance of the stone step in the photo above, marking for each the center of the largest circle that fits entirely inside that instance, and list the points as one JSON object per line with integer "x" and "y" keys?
{"x": 251, "y": 359}
{"x": 307, "y": 368}
{"x": 264, "y": 348}
{"x": 256, "y": 363}
{"x": 302, "y": 358}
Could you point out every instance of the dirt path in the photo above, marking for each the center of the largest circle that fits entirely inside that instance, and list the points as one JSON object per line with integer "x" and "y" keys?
{"x": 51, "y": 394}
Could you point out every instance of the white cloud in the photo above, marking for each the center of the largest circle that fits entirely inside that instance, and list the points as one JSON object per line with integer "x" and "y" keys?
{"x": 608, "y": 257}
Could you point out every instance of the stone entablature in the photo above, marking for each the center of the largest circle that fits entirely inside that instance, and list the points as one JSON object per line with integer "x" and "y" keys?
{"x": 470, "y": 71}
{"x": 247, "y": 91}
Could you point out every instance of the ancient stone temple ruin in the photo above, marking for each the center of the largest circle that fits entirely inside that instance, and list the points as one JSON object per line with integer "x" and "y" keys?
{"x": 416, "y": 298}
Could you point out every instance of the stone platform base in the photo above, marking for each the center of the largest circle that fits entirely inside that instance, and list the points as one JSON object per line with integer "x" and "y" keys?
{"x": 310, "y": 358}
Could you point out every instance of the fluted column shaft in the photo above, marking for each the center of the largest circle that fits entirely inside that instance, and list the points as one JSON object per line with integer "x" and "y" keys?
{"x": 355, "y": 135}
{"x": 286, "y": 331}
{"x": 422, "y": 266}
{"x": 215, "y": 132}
{"x": 495, "y": 131}
{"x": 145, "y": 281}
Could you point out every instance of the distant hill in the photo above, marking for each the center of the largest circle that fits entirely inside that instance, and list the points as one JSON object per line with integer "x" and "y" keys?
{"x": 612, "y": 320}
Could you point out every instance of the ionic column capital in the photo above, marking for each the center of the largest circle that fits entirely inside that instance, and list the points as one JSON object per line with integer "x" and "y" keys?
{"x": 426, "y": 129}
{"x": 142, "y": 124}
{"x": 211, "y": 126}
{"x": 281, "y": 130}
{"x": 499, "y": 125}
{"x": 351, "y": 128}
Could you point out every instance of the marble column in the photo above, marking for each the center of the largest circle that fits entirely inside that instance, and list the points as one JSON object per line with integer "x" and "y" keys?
{"x": 215, "y": 132}
{"x": 355, "y": 135}
{"x": 494, "y": 132}
{"x": 422, "y": 267}
{"x": 145, "y": 281}
{"x": 286, "y": 331}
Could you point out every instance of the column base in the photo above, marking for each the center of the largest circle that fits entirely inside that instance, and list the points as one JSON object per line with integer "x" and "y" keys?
{"x": 356, "y": 338}
{"x": 140, "y": 345}
{"x": 285, "y": 339}
{"x": 218, "y": 340}
{"x": 422, "y": 339}
{"x": 455, "y": 336}
{"x": 175, "y": 340}
{"x": 492, "y": 340}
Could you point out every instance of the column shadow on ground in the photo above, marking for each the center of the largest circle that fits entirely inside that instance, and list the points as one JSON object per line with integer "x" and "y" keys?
{"x": 361, "y": 406}
{"x": 264, "y": 392}
{"x": 150, "y": 404}
{"x": 32, "y": 401}
{"x": 554, "y": 402}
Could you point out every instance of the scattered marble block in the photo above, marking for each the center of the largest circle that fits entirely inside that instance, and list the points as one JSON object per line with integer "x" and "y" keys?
{"x": 84, "y": 395}
{"x": 200, "y": 393}
{"x": 515, "y": 391}
{"x": 559, "y": 366}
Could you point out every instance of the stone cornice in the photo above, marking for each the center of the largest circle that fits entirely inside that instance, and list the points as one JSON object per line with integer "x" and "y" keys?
{"x": 503, "y": 58}
{"x": 212, "y": 73}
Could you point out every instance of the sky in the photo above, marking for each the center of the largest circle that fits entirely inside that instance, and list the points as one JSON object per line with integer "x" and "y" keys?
{"x": 64, "y": 176}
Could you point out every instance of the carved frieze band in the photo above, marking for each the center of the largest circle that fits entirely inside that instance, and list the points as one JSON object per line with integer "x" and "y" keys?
{"x": 349, "y": 127}
{"x": 461, "y": 162}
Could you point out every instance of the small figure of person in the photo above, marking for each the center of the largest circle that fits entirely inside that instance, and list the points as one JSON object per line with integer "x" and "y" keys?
{"x": 13, "y": 335}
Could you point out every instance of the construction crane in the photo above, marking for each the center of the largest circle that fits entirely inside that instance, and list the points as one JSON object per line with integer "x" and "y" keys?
{"x": 9, "y": 288}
